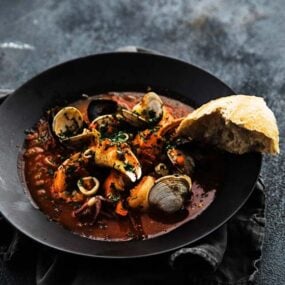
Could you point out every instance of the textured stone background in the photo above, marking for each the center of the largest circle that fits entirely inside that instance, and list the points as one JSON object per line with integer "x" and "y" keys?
{"x": 243, "y": 44}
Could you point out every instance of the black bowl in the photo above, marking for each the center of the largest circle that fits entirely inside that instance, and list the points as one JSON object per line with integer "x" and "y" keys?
{"x": 96, "y": 74}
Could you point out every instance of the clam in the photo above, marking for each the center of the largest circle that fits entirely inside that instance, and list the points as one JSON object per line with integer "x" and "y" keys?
{"x": 101, "y": 106}
{"x": 134, "y": 119}
{"x": 150, "y": 107}
{"x": 169, "y": 193}
{"x": 68, "y": 122}
{"x": 77, "y": 140}
{"x": 68, "y": 126}
{"x": 105, "y": 124}
{"x": 148, "y": 111}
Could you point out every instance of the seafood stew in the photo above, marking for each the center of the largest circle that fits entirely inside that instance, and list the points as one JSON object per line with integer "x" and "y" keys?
{"x": 111, "y": 167}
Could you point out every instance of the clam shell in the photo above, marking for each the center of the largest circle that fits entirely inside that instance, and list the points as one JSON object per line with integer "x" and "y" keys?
{"x": 150, "y": 107}
{"x": 84, "y": 137}
{"x": 169, "y": 193}
{"x": 134, "y": 119}
{"x": 67, "y": 122}
{"x": 106, "y": 124}
{"x": 148, "y": 111}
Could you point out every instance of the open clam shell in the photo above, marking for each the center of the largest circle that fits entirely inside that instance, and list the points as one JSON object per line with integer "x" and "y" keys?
{"x": 85, "y": 137}
{"x": 147, "y": 112}
{"x": 150, "y": 107}
{"x": 134, "y": 119}
{"x": 105, "y": 124}
{"x": 67, "y": 122}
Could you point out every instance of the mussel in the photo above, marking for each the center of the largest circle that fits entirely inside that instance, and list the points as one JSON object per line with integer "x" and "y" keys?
{"x": 101, "y": 106}
{"x": 169, "y": 193}
{"x": 181, "y": 160}
{"x": 147, "y": 112}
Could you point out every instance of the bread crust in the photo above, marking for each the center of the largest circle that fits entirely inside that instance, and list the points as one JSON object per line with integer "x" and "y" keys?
{"x": 247, "y": 112}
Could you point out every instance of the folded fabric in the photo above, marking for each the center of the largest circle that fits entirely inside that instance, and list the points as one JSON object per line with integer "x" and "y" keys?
{"x": 230, "y": 255}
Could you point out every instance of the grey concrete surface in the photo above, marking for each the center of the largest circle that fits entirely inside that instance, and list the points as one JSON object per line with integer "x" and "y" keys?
{"x": 241, "y": 42}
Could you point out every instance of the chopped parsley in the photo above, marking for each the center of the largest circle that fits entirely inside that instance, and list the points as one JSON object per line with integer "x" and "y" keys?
{"x": 115, "y": 196}
{"x": 129, "y": 167}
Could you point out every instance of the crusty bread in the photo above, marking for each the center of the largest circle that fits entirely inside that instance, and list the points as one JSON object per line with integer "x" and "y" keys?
{"x": 237, "y": 124}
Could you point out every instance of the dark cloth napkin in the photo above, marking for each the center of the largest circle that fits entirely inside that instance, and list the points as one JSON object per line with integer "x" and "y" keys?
{"x": 230, "y": 255}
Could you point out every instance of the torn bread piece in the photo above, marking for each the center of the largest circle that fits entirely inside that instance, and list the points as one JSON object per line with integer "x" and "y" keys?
{"x": 237, "y": 124}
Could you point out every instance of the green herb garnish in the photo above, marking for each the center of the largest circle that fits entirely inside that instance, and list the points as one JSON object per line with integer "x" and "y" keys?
{"x": 129, "y": 167}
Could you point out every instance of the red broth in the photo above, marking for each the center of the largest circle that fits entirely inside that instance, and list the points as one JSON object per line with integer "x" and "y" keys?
{"x": 43, "y": 154}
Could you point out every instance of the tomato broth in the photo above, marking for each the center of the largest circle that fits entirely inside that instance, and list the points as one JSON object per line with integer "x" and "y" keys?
{"x": 43, "y": 154}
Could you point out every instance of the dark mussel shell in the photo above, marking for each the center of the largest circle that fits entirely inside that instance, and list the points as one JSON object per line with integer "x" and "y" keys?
{"x": 98, "y": 107}
{"x": 188, "y": 165}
